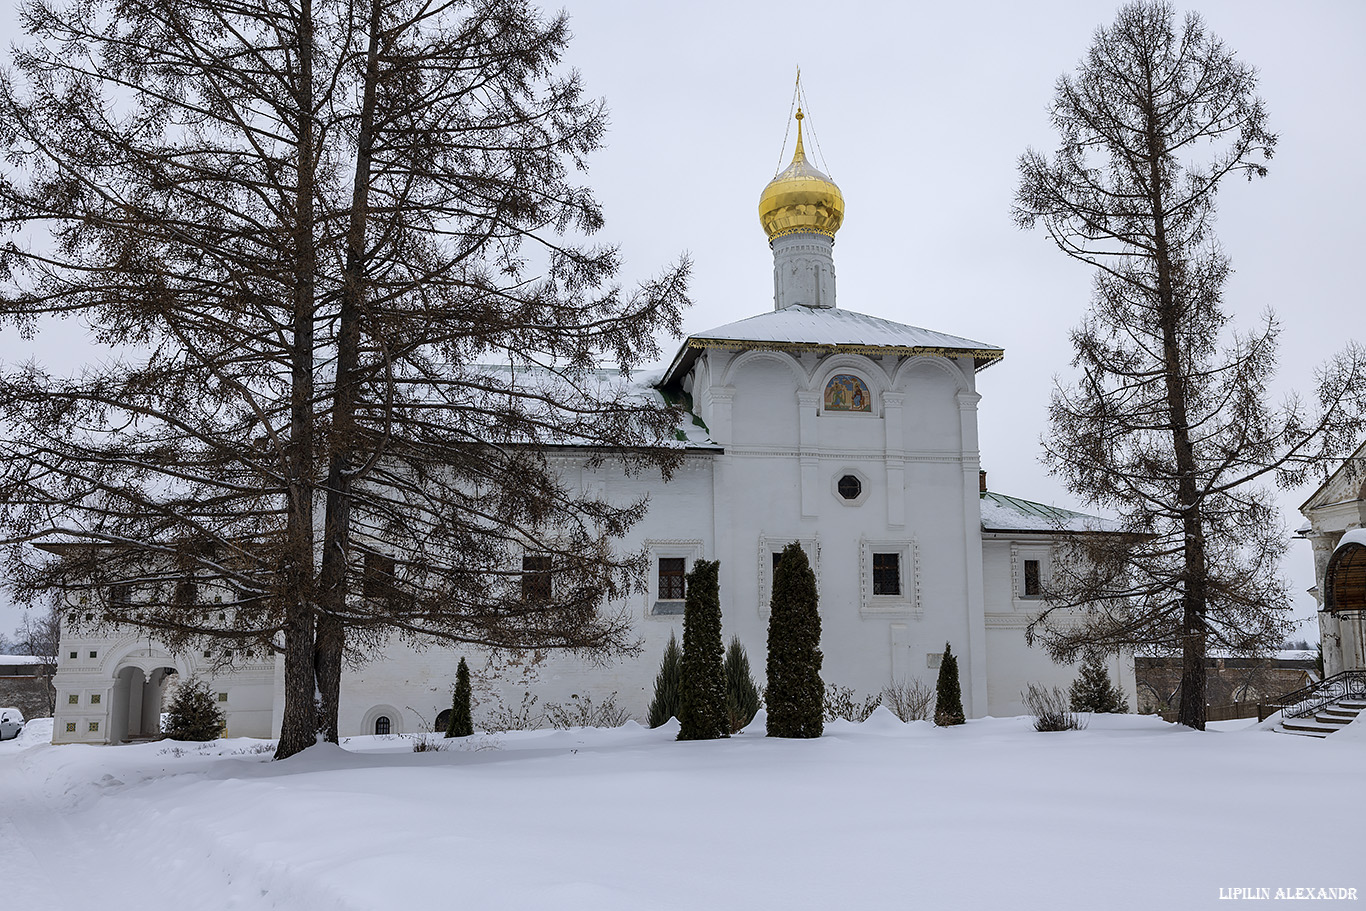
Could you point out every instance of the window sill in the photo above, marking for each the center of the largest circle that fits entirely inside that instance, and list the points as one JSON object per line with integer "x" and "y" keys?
{"x": 667, "y": 608}
{"x": 890, "y": 606}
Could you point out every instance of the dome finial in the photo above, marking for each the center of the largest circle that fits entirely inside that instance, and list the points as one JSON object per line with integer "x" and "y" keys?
{"x": 801, "y": 199}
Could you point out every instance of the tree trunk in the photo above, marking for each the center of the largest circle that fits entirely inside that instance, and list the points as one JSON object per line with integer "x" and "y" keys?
{"x": 1192, "y": 708}
{"x": 299, "y": 721}
{"x": 331, "y": 635}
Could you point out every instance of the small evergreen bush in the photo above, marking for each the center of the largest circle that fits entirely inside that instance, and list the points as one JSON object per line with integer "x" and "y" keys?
{"x": 461, "y": 723}
{"x": 948, "y": 693}
{"x": 1092, "y": 691}
{"x": 1049, "y": 708}
{"x": 795, "y": 696}
{"x": 194, "y": 713}
{"x": 702, "y": 688}
{"x": 742, "y": 693}
{"x": 665, "y": 704}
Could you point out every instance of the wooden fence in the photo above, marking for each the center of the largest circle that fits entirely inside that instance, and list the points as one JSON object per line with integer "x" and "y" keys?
{"x": 1222, "y": 712}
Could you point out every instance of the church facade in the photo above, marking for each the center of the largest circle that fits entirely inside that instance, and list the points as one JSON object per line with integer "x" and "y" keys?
{"x": 853, "y": 435}
{"x": 1336, "y": 530}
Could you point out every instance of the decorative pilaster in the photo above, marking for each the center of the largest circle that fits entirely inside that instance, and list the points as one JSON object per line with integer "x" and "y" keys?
{"x": 809, "y": 440}
{"x": 893, "y": 448}
{"x": 976, "y": 702}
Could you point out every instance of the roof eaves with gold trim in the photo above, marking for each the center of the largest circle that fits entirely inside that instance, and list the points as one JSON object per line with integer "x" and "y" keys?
{"x": 827, "y": 331}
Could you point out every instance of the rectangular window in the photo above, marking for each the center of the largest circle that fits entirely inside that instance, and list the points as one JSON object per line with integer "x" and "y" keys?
{"x": 671, "y": 578}
{"x": 94, "y": 654}
{"x": 536, "y": 570}
{"x": 73, "y": 654}
{"x": 186, "y": 594}
{"x": 377, "y": 582}
{"x": 887, "y": 574}
{"x": 1031, "y": 578}
{"x": 94, "y": 698}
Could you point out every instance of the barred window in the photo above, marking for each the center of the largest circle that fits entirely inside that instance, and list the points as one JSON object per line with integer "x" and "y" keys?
{"x": 536, "y": 582}
{"x": 671, "y": 578}
{"x": 887, "y": 574}
{"x": 1031, "y": 578}
{"x": 382, "y": 724}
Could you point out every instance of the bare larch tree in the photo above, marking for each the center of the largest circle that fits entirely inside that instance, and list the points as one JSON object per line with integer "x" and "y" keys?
{"x": 1168, "y": 422}
{"x": 305, "y": 229}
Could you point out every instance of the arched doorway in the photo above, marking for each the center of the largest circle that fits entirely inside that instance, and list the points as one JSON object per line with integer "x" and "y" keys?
{"x": 1345, "y": 599}
{"x": 137, "y": 702}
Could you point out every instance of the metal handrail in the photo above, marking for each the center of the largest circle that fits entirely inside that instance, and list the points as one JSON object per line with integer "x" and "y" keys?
{"x": 1309, "y": 699}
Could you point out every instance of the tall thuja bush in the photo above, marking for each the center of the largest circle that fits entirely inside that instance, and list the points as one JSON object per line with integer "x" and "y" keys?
{"x": 796, "y": 696}
{"x": 1092, "y": 691}
{"x": 665, "y": 704}
{"x": 461, "y": 724}
{"x": 948, "y": 694}
{"x": 742, "y": 693}
{"x": 702, "y": 691}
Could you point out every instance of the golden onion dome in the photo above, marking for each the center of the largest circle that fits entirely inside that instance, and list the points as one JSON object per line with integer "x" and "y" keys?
{"x": 801, "y": 199}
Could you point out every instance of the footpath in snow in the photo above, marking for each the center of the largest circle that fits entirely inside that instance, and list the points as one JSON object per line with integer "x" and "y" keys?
{"x": 1130, "y": 813}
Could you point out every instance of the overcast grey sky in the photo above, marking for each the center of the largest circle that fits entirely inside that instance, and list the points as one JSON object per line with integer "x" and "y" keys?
{"x": 921, "y": 111}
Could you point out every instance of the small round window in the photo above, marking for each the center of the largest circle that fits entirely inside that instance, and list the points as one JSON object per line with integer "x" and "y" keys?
{"x": 850, "y": 487}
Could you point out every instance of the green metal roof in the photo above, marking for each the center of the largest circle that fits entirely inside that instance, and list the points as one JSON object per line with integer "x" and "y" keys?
{"x": 1005, "y": 513}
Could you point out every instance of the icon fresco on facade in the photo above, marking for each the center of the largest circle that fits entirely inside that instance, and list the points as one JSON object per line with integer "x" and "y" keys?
{"x": 846, "y": 392}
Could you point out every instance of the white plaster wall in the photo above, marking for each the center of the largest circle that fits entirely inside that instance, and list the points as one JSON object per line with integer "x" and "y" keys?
{"x": 916, "y": 455}
{"x": 249, "y": 709}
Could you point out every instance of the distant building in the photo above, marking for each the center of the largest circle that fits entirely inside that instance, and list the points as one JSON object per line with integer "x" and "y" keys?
{"x": 26, "y": 684}
{"x": 1228, "y": 680}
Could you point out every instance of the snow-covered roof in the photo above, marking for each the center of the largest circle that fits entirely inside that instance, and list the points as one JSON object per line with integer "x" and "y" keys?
{"x": 805, "y": 328}
{"x": 1354, "y": 536}
{"x": 605, "y": 385}
{"x": 1001, "y": 513}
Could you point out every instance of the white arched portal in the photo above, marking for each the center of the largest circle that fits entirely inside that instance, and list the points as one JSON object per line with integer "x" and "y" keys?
{"x": 142, "y": 676}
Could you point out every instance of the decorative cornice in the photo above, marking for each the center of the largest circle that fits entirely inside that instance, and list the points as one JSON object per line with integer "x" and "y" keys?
{"x": 982, "y": 356}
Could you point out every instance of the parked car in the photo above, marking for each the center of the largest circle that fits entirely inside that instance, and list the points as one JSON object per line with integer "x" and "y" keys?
{"x": 11, "y": 723}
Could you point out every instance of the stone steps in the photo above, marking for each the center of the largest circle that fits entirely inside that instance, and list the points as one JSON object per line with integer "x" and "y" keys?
{"x": 1330, "y": 718}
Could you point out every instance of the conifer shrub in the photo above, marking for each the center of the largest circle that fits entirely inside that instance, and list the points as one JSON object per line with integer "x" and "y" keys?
{"x": 795, "y": 696}
{"x": 742, "y": 693}
{"x": 1048, "y": 705}
{"x": 948, "y": 693}
{"x": 1092, "y": 691}
{"x": 194, "y": 713}
{"x": 665, "y": 704}
{"x": 461, "y": 723}
{"x": 702, "y": 685}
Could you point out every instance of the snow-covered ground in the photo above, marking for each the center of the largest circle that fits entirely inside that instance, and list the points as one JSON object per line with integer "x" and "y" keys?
{"x": 1130, "y": 813}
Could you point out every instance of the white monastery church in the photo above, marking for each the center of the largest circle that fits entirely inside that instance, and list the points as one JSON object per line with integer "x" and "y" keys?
{"x": 853, "y": 435}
